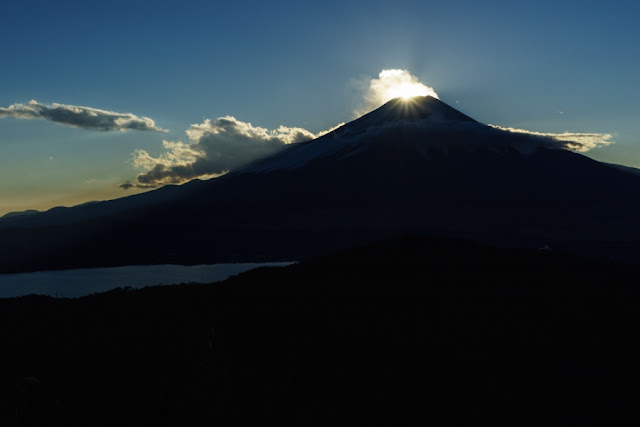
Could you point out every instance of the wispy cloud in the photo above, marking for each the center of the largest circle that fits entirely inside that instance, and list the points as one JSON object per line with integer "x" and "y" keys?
{"x": 215, "y": 147}
{"x": 575, "y": 141}
{"x": 80, "y": 117}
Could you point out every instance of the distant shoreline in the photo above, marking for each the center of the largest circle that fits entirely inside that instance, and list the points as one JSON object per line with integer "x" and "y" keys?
{"x": 75, "y": 283}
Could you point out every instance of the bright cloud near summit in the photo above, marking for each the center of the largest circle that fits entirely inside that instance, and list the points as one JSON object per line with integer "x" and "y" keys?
{"x": 391, "y": 84}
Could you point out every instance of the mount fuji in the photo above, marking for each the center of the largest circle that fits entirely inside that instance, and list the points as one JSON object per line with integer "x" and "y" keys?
{"x": 411, "y": 167}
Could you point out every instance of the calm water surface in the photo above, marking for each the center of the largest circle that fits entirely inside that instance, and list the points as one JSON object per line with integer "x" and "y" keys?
{"x": 85, "y": 281}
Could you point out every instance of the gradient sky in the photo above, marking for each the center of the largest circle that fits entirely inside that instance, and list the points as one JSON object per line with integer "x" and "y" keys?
{"x": 546, "y": 66}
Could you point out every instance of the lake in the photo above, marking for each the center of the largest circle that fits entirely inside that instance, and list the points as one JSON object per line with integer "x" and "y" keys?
{"x": 80, "y": 282}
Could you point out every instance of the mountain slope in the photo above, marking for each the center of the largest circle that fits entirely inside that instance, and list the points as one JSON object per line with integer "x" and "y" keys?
{"x": 406, "y": 168}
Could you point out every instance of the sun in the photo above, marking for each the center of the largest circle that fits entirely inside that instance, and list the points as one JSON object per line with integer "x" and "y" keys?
{"x": 400, "y": 84}
{"x": 406, "y": 91}
{"x": 391, "y": 84}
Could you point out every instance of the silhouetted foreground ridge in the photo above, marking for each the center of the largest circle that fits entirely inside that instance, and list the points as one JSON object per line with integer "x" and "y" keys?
{"x": 405, "y": 332}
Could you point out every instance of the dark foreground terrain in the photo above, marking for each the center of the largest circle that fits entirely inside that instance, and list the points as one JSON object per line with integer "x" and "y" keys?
{"x": 406, "y": 332}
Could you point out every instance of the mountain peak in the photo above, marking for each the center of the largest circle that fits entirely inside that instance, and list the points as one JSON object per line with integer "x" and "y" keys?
{"x": 396, "y": 113}
{"x": 405, "y": 110}
{"x": 419, "y": 108}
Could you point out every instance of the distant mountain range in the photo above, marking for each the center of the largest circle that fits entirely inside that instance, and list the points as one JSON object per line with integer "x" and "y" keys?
{"x": 416, "y": 167}
{"x": 20, "y": 213}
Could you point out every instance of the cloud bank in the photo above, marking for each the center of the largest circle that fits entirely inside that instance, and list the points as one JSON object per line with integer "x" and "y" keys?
{"x": 215, "y": 147}
{"x": 571, "y": 140}
{"x": 391, "y": 84}
{"x": 80, "y": 117}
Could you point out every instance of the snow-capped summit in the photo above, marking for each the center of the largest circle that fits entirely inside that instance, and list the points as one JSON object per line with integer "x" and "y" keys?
{"x": 420, "y": 126}
{"x": 417, "y": 116}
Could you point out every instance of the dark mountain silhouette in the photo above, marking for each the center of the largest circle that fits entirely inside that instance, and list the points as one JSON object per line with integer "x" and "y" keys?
{"x": 403, "y": 332}
{"x": 417, "y": 167}
{"x": 19, "y": 213}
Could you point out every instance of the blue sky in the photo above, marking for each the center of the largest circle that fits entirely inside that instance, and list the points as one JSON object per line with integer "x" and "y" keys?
{"x": 542, "y": 66}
